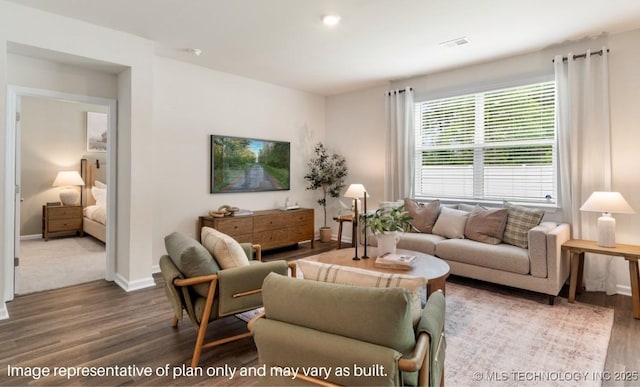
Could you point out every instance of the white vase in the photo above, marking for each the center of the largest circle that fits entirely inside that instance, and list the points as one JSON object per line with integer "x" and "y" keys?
{"x": 387, "y": 242}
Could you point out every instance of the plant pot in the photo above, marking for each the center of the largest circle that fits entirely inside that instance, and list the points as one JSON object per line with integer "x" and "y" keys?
{"x": 387, "y": 242}
{"x": 325, "y": 234}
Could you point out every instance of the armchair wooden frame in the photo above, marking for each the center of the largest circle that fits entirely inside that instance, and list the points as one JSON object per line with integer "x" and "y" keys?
{"x": 212, "y": 280}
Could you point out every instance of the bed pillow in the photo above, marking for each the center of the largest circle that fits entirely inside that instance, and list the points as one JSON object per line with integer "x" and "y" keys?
{"x": 99, "y": 184}
{"x": 424, "y": 216}
{"x": 451, "y": 223}
{"x": 225, "y": 250}
{"x": 100, "y": 195}
{"x": 344, "y": 275}
{"x": 519, "y": 221}
{"x": 486, "y": 225}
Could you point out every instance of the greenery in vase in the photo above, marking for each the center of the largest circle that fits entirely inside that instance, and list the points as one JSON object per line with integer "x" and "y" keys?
{"x": 388, "y": 219}
{"x": 326, "y": 172}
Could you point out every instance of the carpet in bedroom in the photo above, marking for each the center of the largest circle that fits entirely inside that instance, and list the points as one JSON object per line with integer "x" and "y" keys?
{"x": 59, "y": 262}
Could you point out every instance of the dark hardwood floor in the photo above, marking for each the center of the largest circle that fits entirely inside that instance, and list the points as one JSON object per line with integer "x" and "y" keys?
{"x": 99, "y": 325}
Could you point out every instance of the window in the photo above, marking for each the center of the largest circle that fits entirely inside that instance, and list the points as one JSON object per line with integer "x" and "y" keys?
{"x": 490, "y": 146}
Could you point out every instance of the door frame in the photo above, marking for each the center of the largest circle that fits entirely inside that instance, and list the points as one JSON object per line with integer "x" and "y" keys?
{"x": 14, "y": 93}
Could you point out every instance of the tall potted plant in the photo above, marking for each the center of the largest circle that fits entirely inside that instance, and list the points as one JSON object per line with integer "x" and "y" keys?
{"x": 326, "y": 172}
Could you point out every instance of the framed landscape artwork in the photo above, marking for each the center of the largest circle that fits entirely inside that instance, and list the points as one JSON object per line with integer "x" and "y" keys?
{"x": 96, "y": 132}
{"x": 241, "y": 164}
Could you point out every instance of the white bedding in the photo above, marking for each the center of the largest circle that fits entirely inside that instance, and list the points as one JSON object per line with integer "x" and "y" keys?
{"x": 97, "y": 213}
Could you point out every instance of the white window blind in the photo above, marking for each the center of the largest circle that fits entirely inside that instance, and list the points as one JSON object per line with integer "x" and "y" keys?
{"x": 495, "y": 145}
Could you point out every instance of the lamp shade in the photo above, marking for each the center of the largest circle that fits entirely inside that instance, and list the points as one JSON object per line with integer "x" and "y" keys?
{"x": 356, "y": 191}
{"x": 67, "y": 179}
{"x": 607, "y": 202}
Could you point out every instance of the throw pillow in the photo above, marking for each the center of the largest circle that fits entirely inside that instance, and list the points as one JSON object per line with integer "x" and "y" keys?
{"x": 519, "y": 221}
{"x": 450, "y": 223}
{"x": 324, "y": 272}
{"x": 424, "y": 216}
{"x": 225, "y": 250}
{"x": 191, "y": 258}
{"x": 486, "y": 225}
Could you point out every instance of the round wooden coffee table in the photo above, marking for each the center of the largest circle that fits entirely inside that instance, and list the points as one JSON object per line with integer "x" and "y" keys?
{"x": 434, "y": 269}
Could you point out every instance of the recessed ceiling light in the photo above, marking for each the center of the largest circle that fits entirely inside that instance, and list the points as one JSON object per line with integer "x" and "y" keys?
{"x": 331, "y": 20}
{"x": 455, "y": 42}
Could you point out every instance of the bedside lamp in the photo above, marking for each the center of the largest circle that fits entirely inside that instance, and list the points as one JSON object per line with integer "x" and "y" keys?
{"x": 607, "y": 203}
{"x": 357, "y": 191}
{"x": 68, "y": 196}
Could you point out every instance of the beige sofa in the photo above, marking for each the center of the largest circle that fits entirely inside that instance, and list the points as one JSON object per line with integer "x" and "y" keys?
{"x": 540, "y": 267}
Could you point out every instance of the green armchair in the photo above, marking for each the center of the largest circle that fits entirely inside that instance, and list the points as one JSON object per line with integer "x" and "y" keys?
{"x": 195, "y": 283}
{"x": 361, "y": 335}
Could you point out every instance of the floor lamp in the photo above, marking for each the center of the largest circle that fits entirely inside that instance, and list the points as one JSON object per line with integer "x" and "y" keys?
{"x": 356, "y": 191}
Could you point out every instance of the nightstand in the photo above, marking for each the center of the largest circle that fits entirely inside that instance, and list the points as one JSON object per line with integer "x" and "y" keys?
{"x": 56, "y": 218}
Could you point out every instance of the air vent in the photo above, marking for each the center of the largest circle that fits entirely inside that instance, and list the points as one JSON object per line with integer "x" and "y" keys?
{"x": 455, "y": 42}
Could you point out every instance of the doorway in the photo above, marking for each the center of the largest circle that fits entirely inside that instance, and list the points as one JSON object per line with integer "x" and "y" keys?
{"x": 15, "y": 96}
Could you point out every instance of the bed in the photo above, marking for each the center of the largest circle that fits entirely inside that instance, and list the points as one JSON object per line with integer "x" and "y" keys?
{"x": 94, "y": 198}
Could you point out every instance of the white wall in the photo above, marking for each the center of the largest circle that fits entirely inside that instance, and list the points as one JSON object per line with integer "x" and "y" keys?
{"x": 346, "y": 111}
{"x": 189, "y": 104}
{"x": 356, "y": 129}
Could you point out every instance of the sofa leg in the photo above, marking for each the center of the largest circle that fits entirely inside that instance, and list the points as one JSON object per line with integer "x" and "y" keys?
{"x": 551, "y": 299}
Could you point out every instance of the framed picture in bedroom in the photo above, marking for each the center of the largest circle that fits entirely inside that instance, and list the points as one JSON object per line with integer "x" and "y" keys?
{"x": 240, "y": 164}
{"x": 96, "y": 132}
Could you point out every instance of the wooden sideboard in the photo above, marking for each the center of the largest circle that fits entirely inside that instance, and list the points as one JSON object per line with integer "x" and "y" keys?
{"x": 269, "y": 228}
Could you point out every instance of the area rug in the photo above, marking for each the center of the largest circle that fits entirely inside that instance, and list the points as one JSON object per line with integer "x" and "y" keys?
{"x": 500, "y": 339}
{"x": 58, "y": 262}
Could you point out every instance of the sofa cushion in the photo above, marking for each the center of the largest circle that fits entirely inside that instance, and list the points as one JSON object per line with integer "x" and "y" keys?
{"x": 191, "y": 258}
{"x": 466, "y": 207}
{"x": 451, "y": 223}
{"x": 318, "y": 271}
{"x": 424, "y": 216}
{"x": 501, "y": 257}
{"x": 424, "y": 243}
{"x": 519, "y": 221}
{"x": 226, "y": 250}
{"x": 486, "y": 225}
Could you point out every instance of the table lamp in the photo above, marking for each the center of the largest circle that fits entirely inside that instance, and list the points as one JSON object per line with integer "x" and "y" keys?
{"x": 69, "y": 196}
{"x": 357, "y": 191}
{"x": 607, "y": 203}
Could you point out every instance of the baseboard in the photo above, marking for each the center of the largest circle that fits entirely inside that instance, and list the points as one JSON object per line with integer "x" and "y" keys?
{"x": 130, "y": 286}
{"x": 155, "y": 269}
{"x": 30, "y": 237}
{"x": 624, "y": 290}
{"x": 4, "y": 313}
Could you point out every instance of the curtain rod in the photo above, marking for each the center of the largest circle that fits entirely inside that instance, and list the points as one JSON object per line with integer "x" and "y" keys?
{"x": 584, "y": 55}
{"x": 398, "y": 91}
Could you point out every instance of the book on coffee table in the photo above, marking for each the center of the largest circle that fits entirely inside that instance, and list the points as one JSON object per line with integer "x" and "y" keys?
{"x": 396, "y": 261}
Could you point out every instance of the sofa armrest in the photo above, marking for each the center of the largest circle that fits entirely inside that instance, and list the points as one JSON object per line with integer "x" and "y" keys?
{"x": 538, "y": 249}
{"x": 558, "y": 261}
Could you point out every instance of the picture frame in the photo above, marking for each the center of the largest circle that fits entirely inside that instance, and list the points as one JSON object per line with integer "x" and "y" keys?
{"x": 97, "y": 124}
{"x": 241, "y": 164}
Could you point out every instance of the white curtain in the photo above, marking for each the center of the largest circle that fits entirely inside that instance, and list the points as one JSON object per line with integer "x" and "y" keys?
{"x": 584, "y": 140}
{"x": 400, "y": 139}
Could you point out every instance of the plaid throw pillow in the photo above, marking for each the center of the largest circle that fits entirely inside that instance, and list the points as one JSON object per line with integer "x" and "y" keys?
{"x": 519, "y": 221}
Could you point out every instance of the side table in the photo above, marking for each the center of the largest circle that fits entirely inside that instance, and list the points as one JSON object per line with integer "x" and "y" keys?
{"x": 340, "y": 220}
{"x": 56, "y": 218}
{"x": 577, "y": 248}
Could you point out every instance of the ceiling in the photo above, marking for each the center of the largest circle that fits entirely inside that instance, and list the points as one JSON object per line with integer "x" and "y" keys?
{"x": 284, "y": 42}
